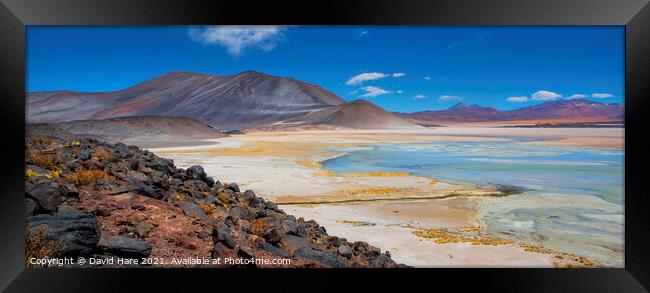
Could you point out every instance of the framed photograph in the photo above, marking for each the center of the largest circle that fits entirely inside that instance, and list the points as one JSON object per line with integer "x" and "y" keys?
{"x": 265, "y": 145}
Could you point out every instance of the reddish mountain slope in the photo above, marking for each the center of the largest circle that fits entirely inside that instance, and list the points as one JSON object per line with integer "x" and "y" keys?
{"x": 245, "y": 100}
{"x": 358, "y": 114}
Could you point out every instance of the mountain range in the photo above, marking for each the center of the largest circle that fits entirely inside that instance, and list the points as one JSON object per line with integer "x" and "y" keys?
{"x": 575, "y": 110}
{"x": 253, "y": 100}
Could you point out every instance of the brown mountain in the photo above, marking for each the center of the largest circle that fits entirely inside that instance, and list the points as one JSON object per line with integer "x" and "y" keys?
{"x": 245, "y": 100}
{"x": 140, "y": 130}
{"x": 358, "y": 114}
{"x": 563, "y": 110}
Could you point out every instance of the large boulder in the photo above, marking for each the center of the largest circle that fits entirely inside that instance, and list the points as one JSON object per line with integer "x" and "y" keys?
{"x": 46, "y": 194}
{"x": 223, "y": 235}
{"x": 31, "y": 207}
{"x": 191, "y": 209}
{"x": 320, "y": 256}
{"x": 77, "y": 231}
{"x": 124, "y": 246}
{"x": 84, "y": 154}
{"x": 196, "y": 172}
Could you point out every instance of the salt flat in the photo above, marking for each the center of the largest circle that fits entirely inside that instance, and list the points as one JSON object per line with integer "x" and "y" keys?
{"x": 391, "y": 210}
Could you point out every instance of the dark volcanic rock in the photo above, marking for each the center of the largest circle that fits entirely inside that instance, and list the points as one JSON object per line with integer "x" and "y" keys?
{"x": 273, "y": 249}
{"x": 31, "y": 207}
{"x": 323, "y": 257}
{"x": 83, "y": 155}
{"x": 345, "y": 250}
{"x": 224, "y": 236}
{"x": 78, "y": 231}
{"x": 196, "y": 172}
{"x": 124, "y": 246}
{"x": 46, "y": 195}
{"x": 191, "y": 209}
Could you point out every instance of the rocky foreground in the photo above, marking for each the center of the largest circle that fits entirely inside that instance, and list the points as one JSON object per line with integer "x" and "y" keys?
{"x": 106, "y": 201}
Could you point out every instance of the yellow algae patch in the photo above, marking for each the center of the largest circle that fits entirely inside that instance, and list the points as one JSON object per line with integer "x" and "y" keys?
{"x": 356, "y": 223}
{"x": 376, "y": 174}
{"x": 372, "y": 191}
{"x": 566, "y": 258}
{"x": 441, "y": 236}
{"x": 270, "y": 148}
{"x": 309, "y": 163}
{"x": 315, "y": 165}
{"x": 476, "y": 237}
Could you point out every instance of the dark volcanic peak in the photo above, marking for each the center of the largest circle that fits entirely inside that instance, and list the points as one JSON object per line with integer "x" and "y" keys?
{"x": 245, "y": 100}
{"x": 463, "y": 106}
{"x": 576, "y": 109}
{"x": 357, "y": 114}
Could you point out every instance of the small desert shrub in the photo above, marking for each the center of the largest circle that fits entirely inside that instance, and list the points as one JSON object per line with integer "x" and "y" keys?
{"x": 207, "y": 208}
{"x": 39, "y": 139}
{"x": 75, "y": 149}
{"x": 83, "y": 176}
{"x": 103, "y": 155}
{"x": 45, "y": 161}
{"x": 37, "y": 246}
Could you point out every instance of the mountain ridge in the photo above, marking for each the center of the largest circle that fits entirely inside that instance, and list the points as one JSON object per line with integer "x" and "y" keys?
{"x": 569, "y": 110}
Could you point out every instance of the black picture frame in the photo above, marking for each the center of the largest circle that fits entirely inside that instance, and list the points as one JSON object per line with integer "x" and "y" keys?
{"x": 633, "y": 14}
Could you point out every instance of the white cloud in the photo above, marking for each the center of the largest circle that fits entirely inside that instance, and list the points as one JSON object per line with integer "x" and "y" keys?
{"x": 601, "y": 95}
{"x": 368, "y": 76}
{"x": 517, "y": 99}
{"x": 577, "y": 96}
{"x": 545, "y": 96}
{"x": 362, "y": 34}
{"x": 474, "y": 39}
{"x": 237, "y": 39}
{"x": 352, "y": 93}
{"x": 399, "y": 91}
{"x": 419, "y": 96}
{"x": 373, "y": 91}
{"x": 449, "y": 98}
{"x": 427, "y": 78}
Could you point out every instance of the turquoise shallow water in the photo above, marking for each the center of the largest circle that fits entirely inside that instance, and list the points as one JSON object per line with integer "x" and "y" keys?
{"x": 574, "y": 198}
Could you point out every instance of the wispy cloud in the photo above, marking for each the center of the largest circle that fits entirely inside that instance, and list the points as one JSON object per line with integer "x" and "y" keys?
{"x": 352, "y": 93}
{"x": 474, "y": 39}
{"x": 517, "y": 99}
{"x": 601, "y": 95}
{"x": 368, "y": 76}
{"x": 576, "y": 96}
{"x": 362, "y": 34}
{"x": 427, "y": 78}
{"x": 237, "y": 39}
{"x": 399, "y": 91}
{"x": 373, "y": 91}
{"x": 449, "y": 98}
{"x": 545, "y": 96}
{"x": 419, "y": 96}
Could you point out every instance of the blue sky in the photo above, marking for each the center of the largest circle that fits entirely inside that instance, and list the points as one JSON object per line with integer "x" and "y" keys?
{"x": 400, "y": 68}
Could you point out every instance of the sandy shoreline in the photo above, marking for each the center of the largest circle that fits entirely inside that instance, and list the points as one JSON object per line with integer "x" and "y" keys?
{"x": 411, "y": 216}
